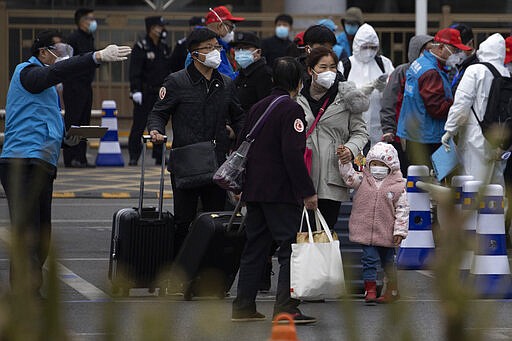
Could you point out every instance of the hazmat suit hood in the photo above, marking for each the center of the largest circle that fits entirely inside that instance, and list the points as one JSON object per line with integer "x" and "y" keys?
{"x": 366, "y": 35}
{"x": 416, "y": 44}
{"x": 492, "y": 50}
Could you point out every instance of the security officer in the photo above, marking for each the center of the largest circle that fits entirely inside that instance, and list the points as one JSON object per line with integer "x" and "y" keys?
{"x": 254, "y": 81}
{"x": 77, "y": 92}
{"x": 149, "y": 65}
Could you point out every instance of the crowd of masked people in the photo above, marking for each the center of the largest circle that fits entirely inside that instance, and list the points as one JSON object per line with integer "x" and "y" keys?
{"x": 338, "y": 96}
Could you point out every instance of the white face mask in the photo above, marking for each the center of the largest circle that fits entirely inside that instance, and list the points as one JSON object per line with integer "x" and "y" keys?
{"x": 212, "y": 59}
{"x": 379, "y": 172}
{"x": 455, "y": 59}
{"x": 366, "y": 55}
{"x": 325, "y": 79}
{"x": 228, "y": 38}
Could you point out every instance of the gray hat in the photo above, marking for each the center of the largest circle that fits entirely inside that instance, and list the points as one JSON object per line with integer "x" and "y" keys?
{"x": 353, "y": 14}
{"x": 416, "y": 44}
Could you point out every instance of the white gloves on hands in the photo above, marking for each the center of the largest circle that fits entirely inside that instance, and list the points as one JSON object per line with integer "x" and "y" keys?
{"x": 445, "y": 140}
{"x": 137, "y": 97}
{"x": 71, "y": 140}
{"x": 380, "y": 83}
{"x": 114, "y": 53}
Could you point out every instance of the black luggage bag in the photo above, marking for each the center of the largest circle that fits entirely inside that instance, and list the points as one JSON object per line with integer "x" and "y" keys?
{"x": 142, "y": 243}
{"x": 209, "y": 258}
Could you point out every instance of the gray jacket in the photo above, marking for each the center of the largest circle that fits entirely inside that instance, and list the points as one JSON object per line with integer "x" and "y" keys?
{"x": 392, "y": 96}
{"x": 341, "y": 124}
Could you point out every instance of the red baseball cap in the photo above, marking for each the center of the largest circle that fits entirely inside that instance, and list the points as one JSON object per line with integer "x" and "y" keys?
{"x": 451, "y": 36}
{"x": 219, "y": 14}
{"x": 508, "y": 49}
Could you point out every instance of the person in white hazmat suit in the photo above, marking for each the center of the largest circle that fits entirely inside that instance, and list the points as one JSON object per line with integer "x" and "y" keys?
{"x": 478, "y": 157}
{"x": 366, "y": 73}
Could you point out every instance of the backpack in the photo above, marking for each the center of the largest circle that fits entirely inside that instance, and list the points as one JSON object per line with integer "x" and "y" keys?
{"x": 497, "y": 121}
{"x": 347, "y": 65}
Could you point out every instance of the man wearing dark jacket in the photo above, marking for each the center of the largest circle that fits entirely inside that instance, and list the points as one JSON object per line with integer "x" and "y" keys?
{"x": 469, "y": 57}
{"x": 254, "y": 80}
{"x": 203, "y": 106}
{"x": 277, "y": 45}
{"x": 77, "y": 93}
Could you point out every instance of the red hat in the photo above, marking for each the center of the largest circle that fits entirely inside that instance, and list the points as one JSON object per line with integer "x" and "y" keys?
{"x": 219, "y": 14}
{"x": 451, "y": 36}
{"x": 508, "y": 49}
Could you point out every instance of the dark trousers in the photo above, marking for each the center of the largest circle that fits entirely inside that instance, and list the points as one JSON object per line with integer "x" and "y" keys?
{"x": 213, "y": 199}
{"x": 78, "y": 104}
{"x": 419, "y": 153}
{"x": 140, "y": 119}
{"x": 402, "y": 156}
{"x": 375, "y": 256}
{"x": 330, "y": 210}
{"x": 28, "y": 187}
{"x": 266, "y": 222}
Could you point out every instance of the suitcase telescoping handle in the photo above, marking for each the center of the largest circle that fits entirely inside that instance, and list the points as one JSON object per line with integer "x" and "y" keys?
{"x": 145, "y": 139}
{"x": 238, "y": 209}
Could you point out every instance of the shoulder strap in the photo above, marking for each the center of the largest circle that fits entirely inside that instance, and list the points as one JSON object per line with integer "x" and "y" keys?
{"x": 491, "y": 68}
{"x": 347, "y": 65}
{"x": 261, "y": 121}
{"x": 380, "y": 63}
{"x": 320, "y": 113}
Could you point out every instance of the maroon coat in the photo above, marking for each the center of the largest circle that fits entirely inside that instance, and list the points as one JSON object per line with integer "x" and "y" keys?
{"x": 275, "y": 164}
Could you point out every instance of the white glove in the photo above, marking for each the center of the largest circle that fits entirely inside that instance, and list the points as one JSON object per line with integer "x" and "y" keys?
{"x": 137, "y": 97}
{"x": 71, "y": 140}
{"x": 445, "y": 140}
{"x": 380, "y": 83}
{"x": 114, "y": 53}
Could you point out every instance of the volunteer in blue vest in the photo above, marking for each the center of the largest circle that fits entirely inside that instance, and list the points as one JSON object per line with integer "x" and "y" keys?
{"x": 478, "y": 157}
{"x": 34, "y": 134}
{"x": 428, "y": 97}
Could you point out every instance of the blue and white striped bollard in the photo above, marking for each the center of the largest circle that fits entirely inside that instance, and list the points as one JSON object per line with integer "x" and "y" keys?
{"x": 109, "y": 151}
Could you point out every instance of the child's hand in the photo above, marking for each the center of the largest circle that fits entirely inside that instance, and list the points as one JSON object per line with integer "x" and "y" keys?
{"x": 344, "y": 154}
{"x": 397, "y": 240}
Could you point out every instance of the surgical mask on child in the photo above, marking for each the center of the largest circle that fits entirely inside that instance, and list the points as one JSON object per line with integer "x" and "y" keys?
{"x": 325, "y": 79}
{"x": 244, "y": 58}
{"x": 351, "y": 29}
{"x": 282, "y": 32}
{"x": 212, "y": 59}
{"x": 379, "y": 172}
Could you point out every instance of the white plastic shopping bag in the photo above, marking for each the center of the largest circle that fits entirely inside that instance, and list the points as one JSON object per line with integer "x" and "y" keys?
{"x": 316, "y": 269}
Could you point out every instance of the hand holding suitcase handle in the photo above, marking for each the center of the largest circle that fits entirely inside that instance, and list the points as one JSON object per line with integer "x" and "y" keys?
{"x": 145, "y": 139}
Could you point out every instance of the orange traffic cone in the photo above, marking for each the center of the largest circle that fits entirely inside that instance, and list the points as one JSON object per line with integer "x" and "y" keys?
{"x": 282, "y": 331}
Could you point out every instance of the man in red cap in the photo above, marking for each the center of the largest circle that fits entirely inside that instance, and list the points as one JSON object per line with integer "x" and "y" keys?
{"x": 221, "y": 21}
{"x": 428, "y": 97}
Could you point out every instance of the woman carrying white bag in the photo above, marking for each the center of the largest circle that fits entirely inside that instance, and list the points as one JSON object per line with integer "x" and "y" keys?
{"x": 316, "y": 268}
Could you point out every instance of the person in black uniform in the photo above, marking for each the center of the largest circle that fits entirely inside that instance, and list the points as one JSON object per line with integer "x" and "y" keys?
{"x": 77, "y": 92}
{"x": 149, "y": 65}
{"x": 278, "y": 45}
{"x": 254, "y": 80}
{"x": 200, "y": 101}
{"x": 277, "y": 185}
{"x": 28, "y": 162}
{"x": 179, "y": 52}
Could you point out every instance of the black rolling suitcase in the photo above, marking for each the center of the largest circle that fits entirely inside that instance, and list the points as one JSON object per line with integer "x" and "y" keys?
{"x": 142, "y": 241}
{"x": 209, "y": 258}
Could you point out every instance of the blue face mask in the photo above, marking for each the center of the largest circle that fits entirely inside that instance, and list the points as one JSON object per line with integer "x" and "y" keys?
{"x": 351, "y": 29}
{"x": 93, "y": 25}
{"x": 282, "y": 32}
{"x": 244, "y": 58}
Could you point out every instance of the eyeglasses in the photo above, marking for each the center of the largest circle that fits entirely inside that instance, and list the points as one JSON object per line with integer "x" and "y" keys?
{"x": 210, "y": 48}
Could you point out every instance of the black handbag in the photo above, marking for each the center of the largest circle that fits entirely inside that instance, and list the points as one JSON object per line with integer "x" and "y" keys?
{"x": 193, "y": 165}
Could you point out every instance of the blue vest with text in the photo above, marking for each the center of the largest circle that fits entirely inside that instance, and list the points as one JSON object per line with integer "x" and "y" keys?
{"x": 34, "y": 127}
{"x": 415, "y": 124}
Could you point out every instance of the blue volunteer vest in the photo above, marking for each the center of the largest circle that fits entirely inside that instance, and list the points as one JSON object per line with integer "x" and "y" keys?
{"x": 33, "y": 124}
{"x": 415, "y": 124}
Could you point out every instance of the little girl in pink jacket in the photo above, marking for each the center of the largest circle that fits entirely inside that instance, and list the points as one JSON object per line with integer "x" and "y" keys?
{"x": 380, "y": 216}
